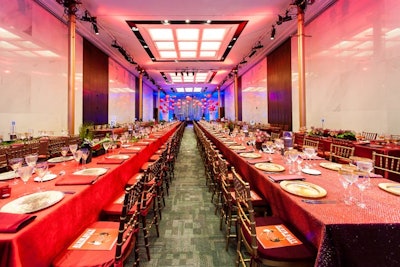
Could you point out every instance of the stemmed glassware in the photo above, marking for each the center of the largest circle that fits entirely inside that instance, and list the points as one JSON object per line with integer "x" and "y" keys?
{"x": 347, "y": 178}
{"x": 106, "y": 145}
{"x": 41, "y": 169}
{"x": 64, "y": 153}
{"x": 293, "y": 155}
{"x": 309, "y": 152}
{"x": 85, "y": 155}
{"x": 73, "y": 148}
{"x": 77, "y": 156}
{"x": 31, "y": 159}
{"x": 25, "y": 172}
{"x": 15, "y": 164}
{"x": 362, "y": 183}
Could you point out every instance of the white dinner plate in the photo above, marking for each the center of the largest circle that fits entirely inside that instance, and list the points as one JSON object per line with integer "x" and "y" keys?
{"x": 136, "y": 148}
{"x": 91, "y": 171}
{"x": 33, "y": 202}
{"x": 47, "y": 177}
{"x": 60, "y": 159}
{"x": 331, "y": 165}
{"x": 7, "y": 175}
{"x": 311, "y": 171}
{"x": 303, "y": 189}
{"x": 119, "y": 156}
{"x": 393, "y": 188}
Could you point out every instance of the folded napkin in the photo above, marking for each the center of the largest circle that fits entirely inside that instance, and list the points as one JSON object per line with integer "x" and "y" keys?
{"x": 71, "y": 179}
{"x": 285, "y": 177}
{"x": 11, "y": 223}
{"x": 254, "y": 161}
{"x": 110, "y": 161}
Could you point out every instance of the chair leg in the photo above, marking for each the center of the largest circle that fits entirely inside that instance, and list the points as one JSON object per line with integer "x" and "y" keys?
{"x": 146, "y": 237}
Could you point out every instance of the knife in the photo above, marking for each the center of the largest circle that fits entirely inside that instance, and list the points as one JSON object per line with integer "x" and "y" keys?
{"x": 318, "y": 201}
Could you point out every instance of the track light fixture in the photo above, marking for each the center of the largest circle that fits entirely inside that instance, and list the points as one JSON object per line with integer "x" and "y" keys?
{"x": 252, "y": 52}
{"x": 273, "y": 32}
{"x": 123, "y": 52}
{"x": 244, "y": 61}
{"x": 258, "y": 46}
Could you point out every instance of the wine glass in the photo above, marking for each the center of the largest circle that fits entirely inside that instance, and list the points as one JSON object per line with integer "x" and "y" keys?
{"x": 41, "y": 169}
{"x": 347, "y": 178}
{"x": 73, "y": 148}
{"x": 106, "y": 145}
{"x": 85, "y": 155}
{"x": 64, "y": 152}
{"x": 25, "y": 172}
{"x": 77, "y": 156}
{"x": 309, "y": 152}
{"x": 31, "y": 159}
{"x": 293, "y": 155}
{"x": 362, "y": 182}
{"x": 15, "y": 164}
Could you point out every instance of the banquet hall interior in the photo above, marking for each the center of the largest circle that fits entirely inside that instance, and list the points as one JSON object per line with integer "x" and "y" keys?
{"x": 222, "y": 78}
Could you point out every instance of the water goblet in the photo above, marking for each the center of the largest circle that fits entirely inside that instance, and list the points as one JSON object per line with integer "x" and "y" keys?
{"x": 64, "y": 153}
{"x": 362, "y": 183}
{"x": 106, "y": 145}
{"x": 77, "y": 156}
{"x": 347, "y": 178}
{"x": 15, "y": 164}
{"x": 41, "y": 169}
{"x": 31, "y": 159}
{"x": 293, "y": 155}
{"x": 85, "y": 155}
{"x": 25, "y": 172}
{"x": 73, "y": 148}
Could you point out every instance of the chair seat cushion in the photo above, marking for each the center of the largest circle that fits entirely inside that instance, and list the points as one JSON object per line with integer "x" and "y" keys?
{"x": 146, "y": 165}
{"x": 133, "y": 180}
{"x": 303, "y": 252}
{"x": 77, "y": 258}
{"x": 154, "y": 157}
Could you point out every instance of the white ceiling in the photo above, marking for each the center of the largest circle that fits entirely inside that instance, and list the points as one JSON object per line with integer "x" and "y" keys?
{"x": 112, "y": 17}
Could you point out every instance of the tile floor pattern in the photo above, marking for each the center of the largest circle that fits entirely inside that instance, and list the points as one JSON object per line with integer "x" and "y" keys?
{"x": 189, "y": 229}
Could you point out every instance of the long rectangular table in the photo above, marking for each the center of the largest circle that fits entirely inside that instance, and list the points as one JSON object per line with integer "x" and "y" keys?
{"x": 344, "y": 235}
{"x": 57, "y": 226}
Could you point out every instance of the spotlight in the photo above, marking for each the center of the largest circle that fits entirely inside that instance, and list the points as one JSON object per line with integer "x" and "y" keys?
{"x": 287, "y": 17}
{"x": 280, "y": 20}
{"x": 273, "y": 31}
{"x": 114, "y": 44}
{"x": 252, "y": 53}
{"x": 258, "y": 46}
{"x": 95, "y": 28}
{"x": 86, "y": 16}
{"x": 244, "y": 61}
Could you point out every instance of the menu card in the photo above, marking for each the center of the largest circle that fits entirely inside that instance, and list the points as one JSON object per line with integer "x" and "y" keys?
{"x": 95, "y": 239}
{"x": 275, "y": 236}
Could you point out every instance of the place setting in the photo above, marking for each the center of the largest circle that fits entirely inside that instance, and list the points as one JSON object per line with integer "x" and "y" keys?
{"x": 82, "y": 177}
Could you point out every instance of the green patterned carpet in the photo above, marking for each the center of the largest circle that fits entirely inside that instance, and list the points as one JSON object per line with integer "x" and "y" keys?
{"x": 189, "y": 229}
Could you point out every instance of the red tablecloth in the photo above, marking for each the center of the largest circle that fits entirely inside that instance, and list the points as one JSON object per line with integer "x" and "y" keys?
{"x": 344, "y": 235}
{"x": 57, "y": 226}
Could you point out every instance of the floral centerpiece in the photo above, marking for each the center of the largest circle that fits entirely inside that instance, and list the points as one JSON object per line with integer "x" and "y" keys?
{"x": 340, "y": 134}
{"x": 261, "y": 137}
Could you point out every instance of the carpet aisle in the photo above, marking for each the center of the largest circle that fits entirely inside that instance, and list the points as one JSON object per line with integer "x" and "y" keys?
{"x": 189, "y": 229}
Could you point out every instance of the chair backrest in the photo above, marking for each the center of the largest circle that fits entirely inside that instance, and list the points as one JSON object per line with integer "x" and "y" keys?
{"x": 129, "y": 221}
{"x": 339, "y": 153}
{"x": 245, "y": 212}
{"x": 369, "y": 136}
{"x": 275, "y": 135}
{"x": 386, "y": 163}
{"x": 310, "y": 143}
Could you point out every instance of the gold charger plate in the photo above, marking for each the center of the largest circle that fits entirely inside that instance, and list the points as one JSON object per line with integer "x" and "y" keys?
{"x": 237, "y": 147}
{"x": 331, "y": 166}
{"x": 60, "y": 159}
{"x": 303, "y": 189}
{"x": 33, "y": 202}
{"x": 7, "y": 175}
{"x": 269, "y": 167}
{"x": 393, "y": 188}
{"x": 251, "y": 155}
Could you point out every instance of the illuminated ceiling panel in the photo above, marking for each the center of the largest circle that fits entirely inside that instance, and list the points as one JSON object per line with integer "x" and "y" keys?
{"x": 187, "y": 41}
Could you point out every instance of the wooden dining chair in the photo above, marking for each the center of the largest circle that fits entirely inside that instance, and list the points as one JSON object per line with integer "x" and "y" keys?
{"x": 369, "y": 135}
{"x": 117, "y": 240}
{"x": 251, "y": 250}
{"x": 275, "y": 135}
{"x": 386, "y": 163}
{"x": 310, "y": 143}
{"x": 340, "y": 154}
